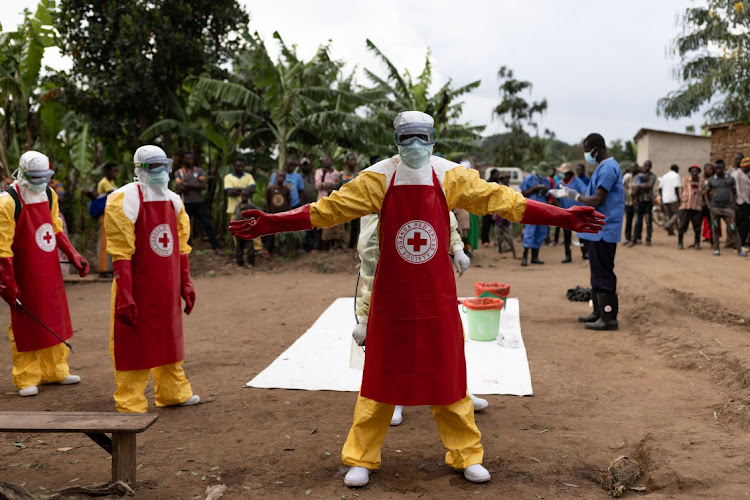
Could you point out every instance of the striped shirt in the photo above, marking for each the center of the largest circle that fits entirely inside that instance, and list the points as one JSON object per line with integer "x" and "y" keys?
{"x": 691, "y": 194}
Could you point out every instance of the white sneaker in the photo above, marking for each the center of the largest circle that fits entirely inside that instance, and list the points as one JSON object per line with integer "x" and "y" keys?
{"x": 31, "y": 390}
{"x": 479, "y": 403}
{"x": 397, "y": 418}
{"x": 69, "y": 380}
{"x": 192, "y": 400}
{"x": 357, "y": 476}
{"x": 477, "y": 474}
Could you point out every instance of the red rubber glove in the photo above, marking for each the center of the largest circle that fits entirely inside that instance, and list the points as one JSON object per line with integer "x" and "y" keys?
{"x": 581, "y": 219}
{"x": 186, "y": 286}
{"x": 64, "y": 244}
{"x": 258, "y": 223}
{"x": 9, "y": 290}
{"x": 126, "y": 311}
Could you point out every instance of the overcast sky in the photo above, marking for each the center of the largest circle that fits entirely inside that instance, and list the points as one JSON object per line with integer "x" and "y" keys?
{"x": 601, "y": 65}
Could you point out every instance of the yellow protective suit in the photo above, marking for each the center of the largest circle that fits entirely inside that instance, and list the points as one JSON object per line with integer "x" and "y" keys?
{"x": 171, "y": 387}
{"x": 364, "y": 195}
{"x": 43, "y": 366}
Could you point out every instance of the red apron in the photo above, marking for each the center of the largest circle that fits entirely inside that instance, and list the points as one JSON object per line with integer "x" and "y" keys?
{"x": 156, "y": 339}
{"x": 38, "y": 275}
{"x": 415, "y": 343}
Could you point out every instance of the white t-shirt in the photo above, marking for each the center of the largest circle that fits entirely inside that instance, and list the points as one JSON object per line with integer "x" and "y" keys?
{"x": 669, "y": 182}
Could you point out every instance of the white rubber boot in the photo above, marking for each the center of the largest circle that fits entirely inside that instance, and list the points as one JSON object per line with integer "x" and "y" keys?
{"x": 31, "y": 390}
{"x": 69, "y": 380}
{"x": 357, "y": 476}
{"x": 193, "y": 400}
{"x": 397, "y": 417}
{"x": 477, "y": 474}
{"x": 479, "y": 403}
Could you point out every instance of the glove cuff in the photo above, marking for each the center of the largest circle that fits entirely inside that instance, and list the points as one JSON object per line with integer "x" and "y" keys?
{"x": 458, "y": 248}
{"x": 362, "y": 319}
{"x": 542, "y": 214}
{"x": 291, "y": 220}
{"x": 184, "y": 268}
{"x": 123, "y": 271}
{"x": 64, "y": 244}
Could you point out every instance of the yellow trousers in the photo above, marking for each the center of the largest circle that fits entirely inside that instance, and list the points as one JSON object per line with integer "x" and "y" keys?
{"x": 43, "y": 366}
{"x": 171, "y": 387}
{"x": 455, "y": 423}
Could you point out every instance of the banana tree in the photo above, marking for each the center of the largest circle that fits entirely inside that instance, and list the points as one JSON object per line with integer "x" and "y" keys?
{"x": 281, "y": 102}
{"x": 21, "y": 54}
{"x": 396, "y": 92}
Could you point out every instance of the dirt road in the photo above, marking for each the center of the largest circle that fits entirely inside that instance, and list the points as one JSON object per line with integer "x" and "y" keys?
{"x": 670, "y": 389}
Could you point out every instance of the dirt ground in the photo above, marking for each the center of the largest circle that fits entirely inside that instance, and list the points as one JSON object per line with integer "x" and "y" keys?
{"x": 669, "y": 389}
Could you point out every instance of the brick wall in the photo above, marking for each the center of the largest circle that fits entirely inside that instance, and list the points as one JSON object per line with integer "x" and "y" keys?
{"x": 727, "y": 140}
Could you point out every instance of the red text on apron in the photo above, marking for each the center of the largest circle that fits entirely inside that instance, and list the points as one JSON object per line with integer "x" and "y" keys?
{"x": 415, "y": 344}
{"x": 37, "y": 270}
{"x": 156, "y": 338}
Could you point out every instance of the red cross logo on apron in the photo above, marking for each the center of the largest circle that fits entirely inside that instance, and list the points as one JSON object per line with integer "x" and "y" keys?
{"x": 45, "y": 237}
{"x": 416, "y": 242}
{"x": 161, "y": 240}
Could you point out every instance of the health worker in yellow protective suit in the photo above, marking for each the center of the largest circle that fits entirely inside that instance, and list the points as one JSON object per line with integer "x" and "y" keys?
{"x": 415, "y": 344}
{"x": 147, "y": 233}
{"x": 30, "y": 278}
{"x": 369, "y": 254}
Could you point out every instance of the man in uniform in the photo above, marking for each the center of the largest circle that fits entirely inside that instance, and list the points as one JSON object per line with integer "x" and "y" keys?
{"x": 147, "y": 235}
{"x": 30, "y": 235}
{"x": 415, "y": 344}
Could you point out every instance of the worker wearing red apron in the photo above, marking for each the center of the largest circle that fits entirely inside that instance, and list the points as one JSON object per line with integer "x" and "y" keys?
{"x": 147, "y": 232}
{"x": 30, "y": 236}
{"x": 414, "y": 340}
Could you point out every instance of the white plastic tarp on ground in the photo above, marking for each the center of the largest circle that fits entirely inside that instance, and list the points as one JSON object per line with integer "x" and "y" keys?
{"x": 321, "y": 359}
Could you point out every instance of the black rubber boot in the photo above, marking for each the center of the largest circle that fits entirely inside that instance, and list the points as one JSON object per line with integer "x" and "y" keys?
{"x": 594, "y": 315}
{"x": 535, "y": 256}
{"x": 568, "y": 258}
{"x": 608, "y": 308}
{"x": 525, "y": 259}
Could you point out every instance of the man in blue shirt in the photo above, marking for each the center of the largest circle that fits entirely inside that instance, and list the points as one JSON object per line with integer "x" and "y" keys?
{"x": 568, "y": 179}
{"x": 606, "y": 193}
{"x": 293, "y": 181}
{"x": 534, "y": 187}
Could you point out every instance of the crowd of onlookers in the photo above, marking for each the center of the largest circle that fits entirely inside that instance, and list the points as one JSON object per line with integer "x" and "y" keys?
{"x": 703, "y": 198}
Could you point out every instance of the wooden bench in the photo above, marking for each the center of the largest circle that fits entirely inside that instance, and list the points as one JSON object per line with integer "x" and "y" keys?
{"x": 123, "y": 426}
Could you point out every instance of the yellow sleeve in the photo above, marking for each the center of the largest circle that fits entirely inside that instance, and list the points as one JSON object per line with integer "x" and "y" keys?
{"x": 464, "y": 189}
{"x": 359, "y": 197}
{"x": 7, "y": 225}
{"x": 119, "y": 229}
{"x": 456, "y": 242}
{"x": 55, "y": 213}
{"x": 369, "y": 254}
{"x": 183, "y": 230}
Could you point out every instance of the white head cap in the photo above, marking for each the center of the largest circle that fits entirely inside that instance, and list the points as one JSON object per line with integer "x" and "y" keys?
{"x": 33, "y": 161}
{"x": 412, "y": 117}
{"x": 148, "y": 154}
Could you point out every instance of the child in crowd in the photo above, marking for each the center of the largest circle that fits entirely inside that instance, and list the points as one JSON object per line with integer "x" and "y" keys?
{"x": 243, "y": 205}
{"x": 278, "y": 199}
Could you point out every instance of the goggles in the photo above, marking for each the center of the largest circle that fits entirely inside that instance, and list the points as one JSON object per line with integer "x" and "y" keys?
{"x": 38, "y": 177}
{"x": 421, "y": 131}
{"x": 156, "y": 165}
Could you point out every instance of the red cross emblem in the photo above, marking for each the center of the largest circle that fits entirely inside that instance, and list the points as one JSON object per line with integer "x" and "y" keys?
{"x": 416, "y": 242}
{"x": 45, "y": 237}
{"x": 161, "y": 240}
